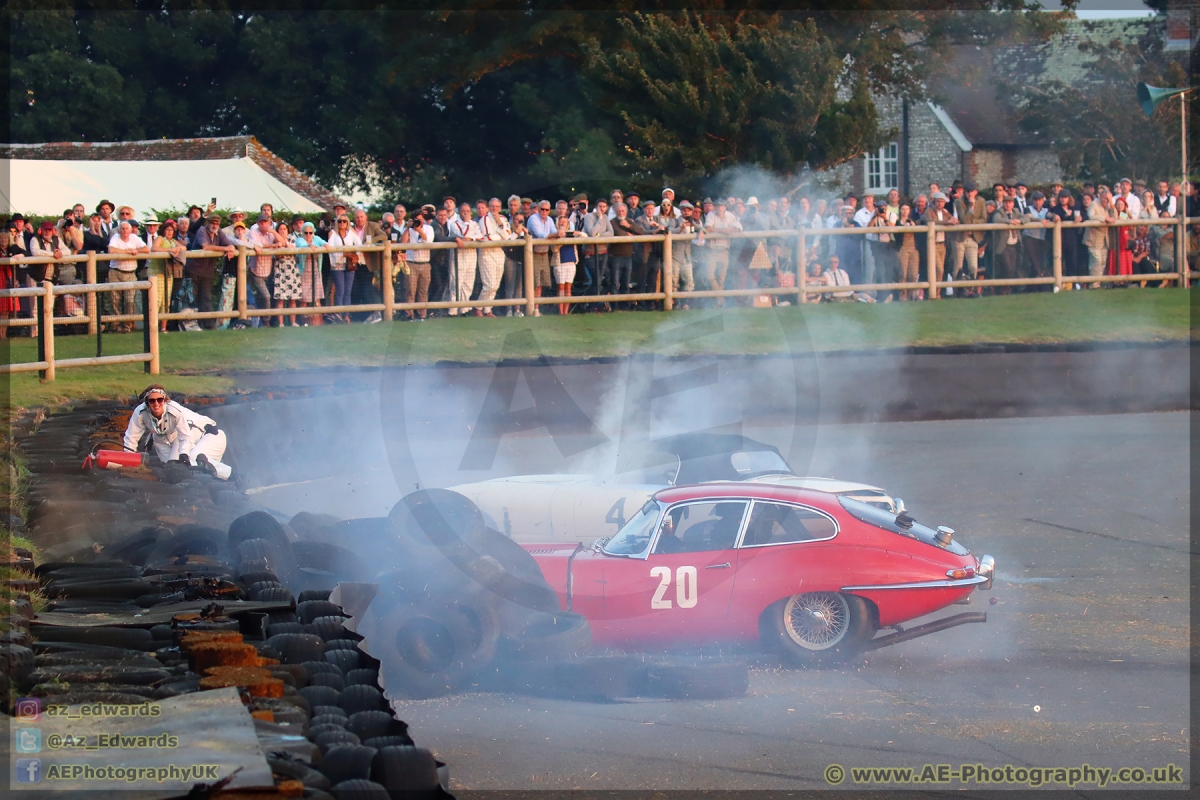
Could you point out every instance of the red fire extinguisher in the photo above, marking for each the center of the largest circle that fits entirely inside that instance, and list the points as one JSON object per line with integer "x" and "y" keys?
{"x": 113, "y": 459}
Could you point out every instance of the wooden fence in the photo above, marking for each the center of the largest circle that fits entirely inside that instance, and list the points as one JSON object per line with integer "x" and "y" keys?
{"x": 803, "y": 290}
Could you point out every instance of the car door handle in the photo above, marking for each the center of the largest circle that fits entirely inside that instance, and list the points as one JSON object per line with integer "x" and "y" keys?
{"x": 726, "y": 565}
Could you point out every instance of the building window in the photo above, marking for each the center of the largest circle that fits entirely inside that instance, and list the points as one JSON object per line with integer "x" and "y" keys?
{"x": 883, "y": 168}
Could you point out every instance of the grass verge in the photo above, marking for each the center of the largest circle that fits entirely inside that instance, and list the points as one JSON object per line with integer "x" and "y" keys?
{"x": 208, "y": 362}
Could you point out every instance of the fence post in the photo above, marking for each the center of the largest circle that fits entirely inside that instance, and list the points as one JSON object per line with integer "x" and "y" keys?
{"x": 802, "y": 266}
{"x": 93, "y": 299}
{"x": 241, "y": 284}
{"x": 1057, "y": 252}
{"x": 1181, "y": 248}
{"x": 47, "y": 338}
{"x": 530, "y": 306}
{"x": 668, "y": 281}
{"x": 152, "y": 366}
{"x": 931, "y": 270}
{"x": 389, "y": 289}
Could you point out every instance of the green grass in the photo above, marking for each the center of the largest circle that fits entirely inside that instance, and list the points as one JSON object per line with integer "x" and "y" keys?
{"x": 208, "y": 362}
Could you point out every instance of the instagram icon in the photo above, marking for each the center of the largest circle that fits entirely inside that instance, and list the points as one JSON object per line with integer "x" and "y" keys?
{"x": 29, "y": 709}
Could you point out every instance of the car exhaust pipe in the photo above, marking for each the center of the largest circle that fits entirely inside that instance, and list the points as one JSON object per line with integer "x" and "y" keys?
{"x": 926, "y": 629}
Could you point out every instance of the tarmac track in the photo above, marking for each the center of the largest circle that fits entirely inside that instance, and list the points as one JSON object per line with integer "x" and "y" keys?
{"x": 1084, "y": 657}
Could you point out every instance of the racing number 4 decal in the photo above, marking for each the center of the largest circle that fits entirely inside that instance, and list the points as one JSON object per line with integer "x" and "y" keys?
{"x": 685, "y": 587}
{"x": 616, "y": 514}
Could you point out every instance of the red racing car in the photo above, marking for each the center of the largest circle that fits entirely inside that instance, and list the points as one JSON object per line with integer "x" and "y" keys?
{"x": 812, "y": 574}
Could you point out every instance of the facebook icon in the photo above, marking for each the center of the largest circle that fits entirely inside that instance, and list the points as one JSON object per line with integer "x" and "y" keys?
{"x": 29, "y": 770}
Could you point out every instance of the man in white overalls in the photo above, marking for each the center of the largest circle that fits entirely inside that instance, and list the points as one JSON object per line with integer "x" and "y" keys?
{"x": 177, "y": 433}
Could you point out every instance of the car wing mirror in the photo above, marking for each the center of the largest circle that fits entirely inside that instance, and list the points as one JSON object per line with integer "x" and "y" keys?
{"x": 899, "y": 503}
{"x": 599, "y": 543}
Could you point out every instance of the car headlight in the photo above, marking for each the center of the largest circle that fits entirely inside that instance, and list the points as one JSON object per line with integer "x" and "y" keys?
{"x": 987, "y": 568}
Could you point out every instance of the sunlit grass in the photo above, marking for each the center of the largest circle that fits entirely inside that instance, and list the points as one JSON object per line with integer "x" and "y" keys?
{"x": 208, "y": 362}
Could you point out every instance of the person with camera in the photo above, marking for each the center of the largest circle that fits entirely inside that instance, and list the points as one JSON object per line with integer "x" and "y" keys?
{"x": 514, "y": 267}
{"x": 681, "y": 250}
{"x": 70, "y": 230}
{"x": 418, "y": 231}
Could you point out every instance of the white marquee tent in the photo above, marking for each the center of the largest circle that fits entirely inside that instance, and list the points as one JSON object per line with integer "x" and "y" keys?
{"x": 48, "y": 187}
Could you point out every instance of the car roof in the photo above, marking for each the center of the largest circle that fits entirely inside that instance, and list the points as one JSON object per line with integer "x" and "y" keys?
{"x": 698, "y": 445}
{"x": 738, "y": 489}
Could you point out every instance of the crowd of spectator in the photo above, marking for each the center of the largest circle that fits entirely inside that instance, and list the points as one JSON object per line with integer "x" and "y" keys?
{"x": 200, "y": 269}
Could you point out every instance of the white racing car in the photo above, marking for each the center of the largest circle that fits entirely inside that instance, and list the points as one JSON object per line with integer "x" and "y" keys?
{"x": 582, "y": 508}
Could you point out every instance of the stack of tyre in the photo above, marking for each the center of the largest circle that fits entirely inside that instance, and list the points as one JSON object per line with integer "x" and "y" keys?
{"x": 458, "y": 603}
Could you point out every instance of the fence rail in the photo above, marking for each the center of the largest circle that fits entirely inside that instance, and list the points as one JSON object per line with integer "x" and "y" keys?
{"x": 45, "y": 321}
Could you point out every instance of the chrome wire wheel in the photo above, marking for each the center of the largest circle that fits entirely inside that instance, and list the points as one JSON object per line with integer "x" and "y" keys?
{"x": 817, "y": 620}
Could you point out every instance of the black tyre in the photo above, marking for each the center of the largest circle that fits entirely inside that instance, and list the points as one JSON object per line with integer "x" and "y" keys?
{"x": 426, "y": 652}
{"x": 329, "y": 628}
{"x": 368, "y": 677}
{"x": 273, "y": 594}
{"x": 332, "y": 739}
{"x": 358, "y": 698}
{"x": 347, "y": 763}
{"x": 330, "y": 711}
{"x": 331, "y": 719}
{"x": 258, "y": 525}
{"x": 120, "y": 588}
{"x": 277, "y": 628}
{"x": 310, "y": 610}
{"x": 298, "y": 771}
{"x": 266, "y": 555}
{"x": 16, "y": 661}
{"x": 313, "y": 594}
{"x": 296, "y": 648}
{"x": 319, "y": 695}
{"x": 190, "y": 540}
{"x": 297, "y": 672}
{"x": 331, "y": 558}
{"x": 598, "y": 677}
{"x": 391, "y": 740}
{"x": 550, "y": 637}
{"x": 405, "y": 769}
{"x": 317, "y": 667}
{"x": 136, "y": 548}
{"x": 700, "y": 681}
{"x": 344, "y": 660}
{"x": 341, "y": 644}
{"x": 131, "y": 638}
{"x": 330, "y": 679}
{"x": 248, "y": 578}
{"x": 373, "y": 724}
{"x": 257, "y": 585}
{"x": 360, "y": 790}
{"x": 438, "y": 516}
{"x": 818, "y": 628}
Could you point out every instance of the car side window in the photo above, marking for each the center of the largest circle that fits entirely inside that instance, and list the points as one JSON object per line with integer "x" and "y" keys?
{"x": 777, "y": 523}
{"x": 699, "y": 527}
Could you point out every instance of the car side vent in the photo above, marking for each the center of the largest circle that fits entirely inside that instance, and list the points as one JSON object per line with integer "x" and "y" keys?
{"x": 904, "y": 521}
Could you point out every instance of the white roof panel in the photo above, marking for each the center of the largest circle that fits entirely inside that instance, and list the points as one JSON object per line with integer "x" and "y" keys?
{"x": 48, "y": 187}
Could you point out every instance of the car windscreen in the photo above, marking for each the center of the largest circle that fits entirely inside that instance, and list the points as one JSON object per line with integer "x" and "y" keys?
{"x": 634, "y": 537}
{"x": 740, "y": 465}
{"x": 758, "y": 462}
{"x": 887, "y": 520}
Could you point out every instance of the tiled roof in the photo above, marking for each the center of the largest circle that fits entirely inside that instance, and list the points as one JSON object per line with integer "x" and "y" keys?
{"x": 224, "y": 147}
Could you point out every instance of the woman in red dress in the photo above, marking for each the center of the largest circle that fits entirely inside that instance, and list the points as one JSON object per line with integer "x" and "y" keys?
{"x": 1120, "y": 259}
{"x": 8, "y": 305}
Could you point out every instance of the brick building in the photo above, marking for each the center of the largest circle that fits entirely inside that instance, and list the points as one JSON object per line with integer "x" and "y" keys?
{"x": 969, "y": 133}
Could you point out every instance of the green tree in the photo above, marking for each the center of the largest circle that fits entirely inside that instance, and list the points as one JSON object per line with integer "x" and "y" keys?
{"x": 696, "y": 99}
{"x": 1094, "y": 124}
